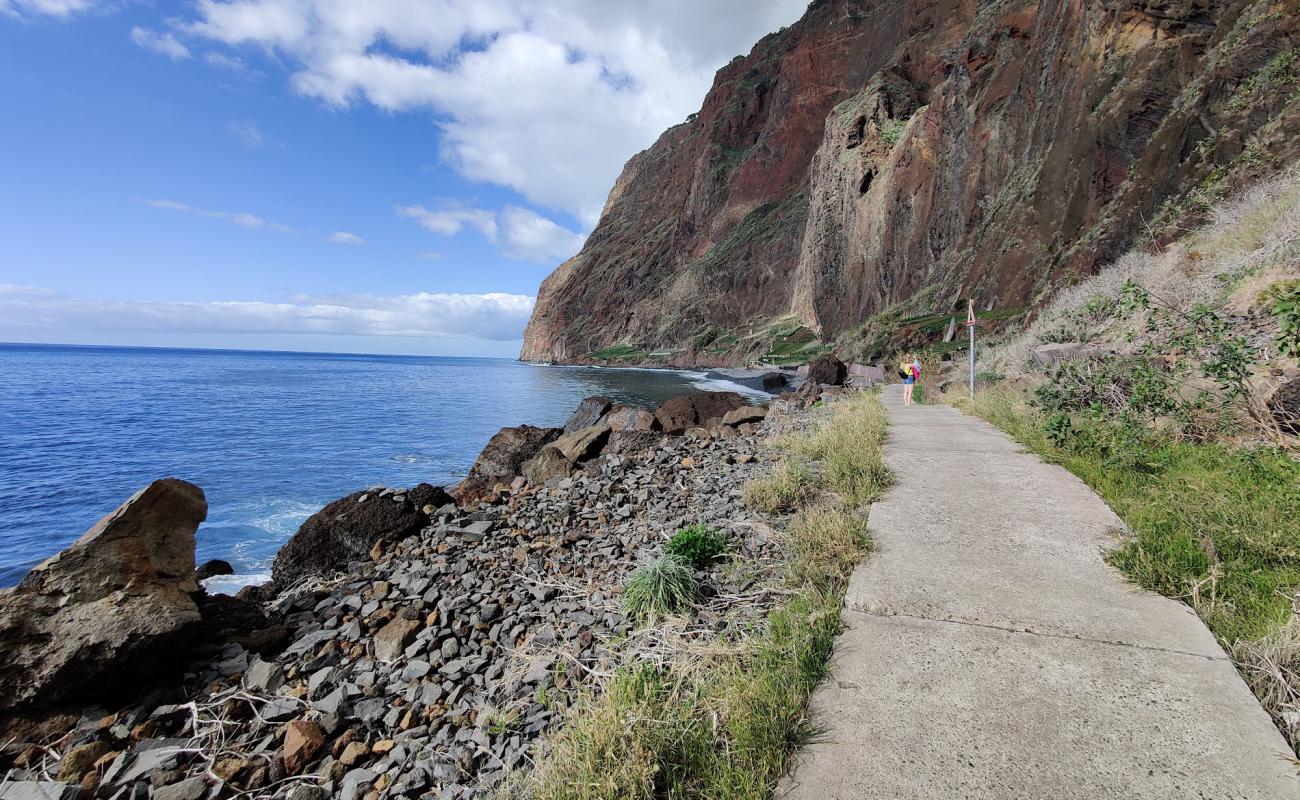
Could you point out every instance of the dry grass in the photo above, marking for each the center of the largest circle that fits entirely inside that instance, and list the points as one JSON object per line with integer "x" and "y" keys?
{"x": 1271, "y": 666}
{"x": 1249, "y": 243}
{"x": 784, "y": 489}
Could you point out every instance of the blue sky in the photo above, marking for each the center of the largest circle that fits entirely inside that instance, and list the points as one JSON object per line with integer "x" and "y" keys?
{"x": 393, "y": 176}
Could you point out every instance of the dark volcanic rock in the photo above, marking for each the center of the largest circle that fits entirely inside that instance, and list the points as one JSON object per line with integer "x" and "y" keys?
{"x": 828, "y": 370}
{"x": 502, "y": 460}
{"x": 588, "y": 413}
{"x": 110, "y": 612}
{"x": 232, "y": 619}
{"x": 772, "y": 381}
{"x": 209, "y": 569}
{"x": 346, "y": 530}
{"x": 686, "y": 411}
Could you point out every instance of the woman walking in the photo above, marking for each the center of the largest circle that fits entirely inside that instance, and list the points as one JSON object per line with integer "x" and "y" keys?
{"x": 910, "y": 369}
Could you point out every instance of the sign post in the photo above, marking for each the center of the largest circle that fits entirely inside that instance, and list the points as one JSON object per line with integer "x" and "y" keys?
{"x": 970, "y": 323}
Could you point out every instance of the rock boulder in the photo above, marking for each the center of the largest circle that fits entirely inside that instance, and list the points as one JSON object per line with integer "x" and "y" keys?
{"x": 827, "y": 369}
{"x": 502, "y": 460}
{"x": 347, "y": 529}
{"x": 559, "y": 458}
{"x": 685, "y": 411}
{"x": 210, "y": 569}
{"x": 588, "y": 413}
{"x": 111, "y": 611}
{"x": 631, "y": 418}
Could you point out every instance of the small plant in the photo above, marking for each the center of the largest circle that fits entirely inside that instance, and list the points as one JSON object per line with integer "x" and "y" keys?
{"x": 697, "y": 545}
{"x": 892, "y": 132}
{"x": 1286, "y": 307}
{"x": 658, "y": 588}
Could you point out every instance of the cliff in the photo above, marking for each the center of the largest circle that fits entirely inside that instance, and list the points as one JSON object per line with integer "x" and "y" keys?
{"x": 880, "y": 161}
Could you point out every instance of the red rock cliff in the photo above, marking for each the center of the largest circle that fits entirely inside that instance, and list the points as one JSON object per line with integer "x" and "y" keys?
{"x": 889, "y": 155}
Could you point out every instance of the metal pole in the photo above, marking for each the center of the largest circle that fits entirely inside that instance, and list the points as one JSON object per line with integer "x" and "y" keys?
{"x": 970, "y": 323}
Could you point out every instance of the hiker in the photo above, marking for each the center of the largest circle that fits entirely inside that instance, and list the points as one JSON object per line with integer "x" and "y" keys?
{"x": 910, "y": 370}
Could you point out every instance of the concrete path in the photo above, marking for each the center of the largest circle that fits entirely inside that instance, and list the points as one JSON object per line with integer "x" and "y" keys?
{"x": 991, "y": 653}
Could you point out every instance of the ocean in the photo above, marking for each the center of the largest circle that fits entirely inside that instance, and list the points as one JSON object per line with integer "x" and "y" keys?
{"x": 269, "y": 436}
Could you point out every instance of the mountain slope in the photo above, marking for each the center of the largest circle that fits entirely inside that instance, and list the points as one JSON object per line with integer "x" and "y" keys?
{"x": 892, "y": 157}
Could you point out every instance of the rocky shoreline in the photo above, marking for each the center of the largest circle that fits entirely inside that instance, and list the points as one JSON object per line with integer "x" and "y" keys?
{"x": 413, "y": 642}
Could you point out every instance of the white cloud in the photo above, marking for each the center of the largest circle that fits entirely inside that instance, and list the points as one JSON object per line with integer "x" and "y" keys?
{"x": 531, "y": 237}
{"x": 492, "y": 316}
{"x": 247, "y": 133}
{"x": 550, "y": 99}
{"x": 450, "y": 220}
{"x": 232, "y": 63}
{"x": 343, "y": 237}
{"x": 49, "y": 8}
{"x": 242, "y": 218}
{"x": 521, "y": 234}
{"x": 164, "y": 43}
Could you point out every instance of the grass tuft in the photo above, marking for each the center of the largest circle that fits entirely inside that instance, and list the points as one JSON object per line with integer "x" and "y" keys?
{"x": 659, "y": 588}
{"x": 697, "y": 545}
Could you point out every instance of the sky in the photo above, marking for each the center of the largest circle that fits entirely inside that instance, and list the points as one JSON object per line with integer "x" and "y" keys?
{"x": 378, "y": 176}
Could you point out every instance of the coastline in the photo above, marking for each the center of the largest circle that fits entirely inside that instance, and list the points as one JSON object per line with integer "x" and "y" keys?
{"x": 271, "y": 437}
{"x": 437, "y": 620}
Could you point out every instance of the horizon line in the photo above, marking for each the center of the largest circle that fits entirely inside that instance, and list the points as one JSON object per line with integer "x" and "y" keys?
{"x": 244, "y": 350}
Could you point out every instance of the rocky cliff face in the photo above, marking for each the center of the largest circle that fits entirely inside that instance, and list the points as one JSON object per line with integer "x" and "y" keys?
{"x": 886, "y": 158}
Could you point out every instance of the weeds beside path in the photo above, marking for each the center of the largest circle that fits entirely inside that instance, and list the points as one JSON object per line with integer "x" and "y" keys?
{"x": 722, "y": 720}
{"x": 1215, "y": 526}
{"x": 990, "y": 652}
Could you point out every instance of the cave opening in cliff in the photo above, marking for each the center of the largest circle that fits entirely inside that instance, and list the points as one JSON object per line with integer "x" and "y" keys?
{"x": 865, "y": 183}
{"x": 858, "y": 134}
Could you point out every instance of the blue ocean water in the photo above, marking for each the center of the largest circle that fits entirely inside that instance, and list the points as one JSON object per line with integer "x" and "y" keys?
{"x": 270, "y": 437}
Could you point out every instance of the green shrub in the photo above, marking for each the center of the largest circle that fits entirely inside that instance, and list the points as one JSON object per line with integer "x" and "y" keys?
{"x": 1286, "y": 307}
{"x": 658, "y": 588}
{"x": 697, "y": 545}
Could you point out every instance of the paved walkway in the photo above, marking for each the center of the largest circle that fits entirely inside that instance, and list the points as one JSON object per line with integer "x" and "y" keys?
{"x": 991, "y": 653}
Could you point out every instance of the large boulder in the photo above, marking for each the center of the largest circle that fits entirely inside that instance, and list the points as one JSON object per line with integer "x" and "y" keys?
{"x": 559, "y": 458}
{"x": 772, "y": 382}
{"x": 588, "y": 413}
{"x": 685, "y": 411}
{"x": 547, "y": 465}
{"x": 213, "y": 568}
{"x": 112, "y": 611}
{"x": 347, "y": 529}
{"x": 502, "y": 460}
{"x": 747, "y": 414}
{"x": 828, "y": 370}
{"x": 631, "y": 418}
{"x": 583, "y": 444}
{"x": 1284, "y": 405}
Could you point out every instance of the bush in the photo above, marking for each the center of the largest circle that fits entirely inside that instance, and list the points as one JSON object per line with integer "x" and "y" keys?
{"x": 697, "y": 545}
{"x": 658, "y": 588}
